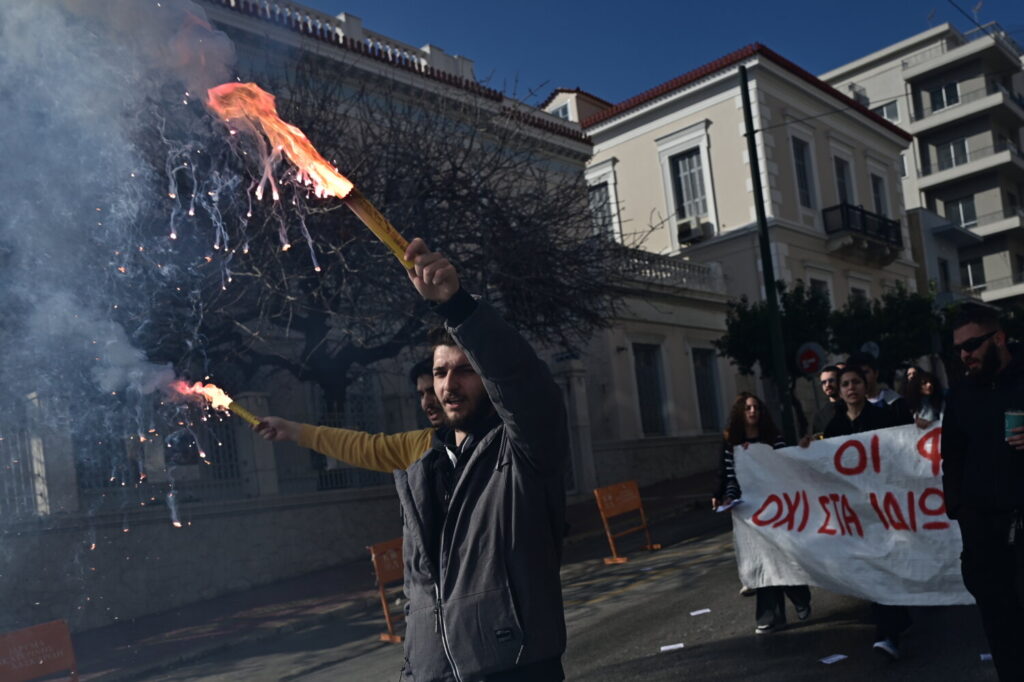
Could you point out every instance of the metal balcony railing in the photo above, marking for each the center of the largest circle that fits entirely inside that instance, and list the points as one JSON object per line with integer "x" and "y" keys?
{"x": 849, "y": 218}
{"x": 972, "y": 154}
{"x": 995, "y": 284}
{"x": 990, "y": 30}
{"x": 969, "y": 96}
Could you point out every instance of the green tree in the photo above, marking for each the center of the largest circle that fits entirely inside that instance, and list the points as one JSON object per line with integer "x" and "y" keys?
{"x": 805, "y": 316}
{"x": 904, "y": 324}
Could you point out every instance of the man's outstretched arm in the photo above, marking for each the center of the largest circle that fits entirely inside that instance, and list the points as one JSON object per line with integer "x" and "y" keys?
{"x": 377, "y": 452}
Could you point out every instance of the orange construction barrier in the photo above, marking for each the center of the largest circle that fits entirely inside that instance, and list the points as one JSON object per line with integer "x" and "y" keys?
{"x": 36, "y": 652}
{"x": 388, "y": 567}
{"x": 615, "y": 500}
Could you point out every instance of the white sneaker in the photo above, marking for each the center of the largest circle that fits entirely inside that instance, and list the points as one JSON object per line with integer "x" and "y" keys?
{"x": 748, "y": 591}
{"x": 888, "y": 647}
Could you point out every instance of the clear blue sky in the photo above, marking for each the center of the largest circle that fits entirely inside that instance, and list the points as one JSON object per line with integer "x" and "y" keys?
{"x": 618, "y": 49}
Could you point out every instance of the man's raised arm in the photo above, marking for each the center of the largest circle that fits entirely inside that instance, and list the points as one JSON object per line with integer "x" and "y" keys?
{"x": 524, "y": 394}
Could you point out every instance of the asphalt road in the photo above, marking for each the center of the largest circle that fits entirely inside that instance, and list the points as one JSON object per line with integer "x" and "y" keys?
{"x": 620, "y": 616}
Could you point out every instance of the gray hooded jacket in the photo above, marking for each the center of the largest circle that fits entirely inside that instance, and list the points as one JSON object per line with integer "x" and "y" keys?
{"x": 494, "y": 602}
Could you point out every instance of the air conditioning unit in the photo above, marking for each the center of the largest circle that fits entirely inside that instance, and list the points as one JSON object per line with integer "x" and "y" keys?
{"x": 692, "y": 230}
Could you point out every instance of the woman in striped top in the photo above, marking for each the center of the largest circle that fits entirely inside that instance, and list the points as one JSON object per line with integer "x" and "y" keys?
{"x": 749, "y": 422}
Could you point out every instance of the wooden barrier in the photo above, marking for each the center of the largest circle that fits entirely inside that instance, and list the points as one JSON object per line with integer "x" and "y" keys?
{"x": 37, "y": 652}
{"x": 616, "y": 500}
{"x": 388, "y": 567}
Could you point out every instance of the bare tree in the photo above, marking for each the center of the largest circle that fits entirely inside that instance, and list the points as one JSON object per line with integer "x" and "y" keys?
{"x": 470, "y": 174}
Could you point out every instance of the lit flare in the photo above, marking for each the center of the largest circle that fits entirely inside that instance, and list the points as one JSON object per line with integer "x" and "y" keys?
{"x": 216, "y": 397}
{"x": 250, "y": 102}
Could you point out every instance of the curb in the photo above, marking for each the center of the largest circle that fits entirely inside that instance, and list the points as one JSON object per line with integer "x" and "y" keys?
{"x": 345, "y": 610}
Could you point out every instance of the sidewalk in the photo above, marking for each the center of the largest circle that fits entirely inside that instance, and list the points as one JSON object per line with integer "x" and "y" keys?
{"x": 147, "y": 645}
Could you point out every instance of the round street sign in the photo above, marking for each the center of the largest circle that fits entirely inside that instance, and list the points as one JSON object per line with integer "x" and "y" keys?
{"x": 811, "y": 357}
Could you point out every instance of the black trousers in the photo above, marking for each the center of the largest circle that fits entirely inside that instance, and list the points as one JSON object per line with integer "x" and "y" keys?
{"x": 993, "y": 572}
{"x": 890, "y": 621}
{"x": 771, "y": 602}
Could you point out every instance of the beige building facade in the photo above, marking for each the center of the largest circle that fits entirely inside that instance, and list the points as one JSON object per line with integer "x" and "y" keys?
{"x": 675, "y": 166}
{"x": 960, "y": 95}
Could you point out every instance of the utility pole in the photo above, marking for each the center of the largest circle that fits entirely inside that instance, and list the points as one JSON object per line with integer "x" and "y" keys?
{"x": 768, "y": 270}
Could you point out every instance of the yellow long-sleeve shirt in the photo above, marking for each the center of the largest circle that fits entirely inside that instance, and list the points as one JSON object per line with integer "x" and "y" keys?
{"x": 375, "y": 451}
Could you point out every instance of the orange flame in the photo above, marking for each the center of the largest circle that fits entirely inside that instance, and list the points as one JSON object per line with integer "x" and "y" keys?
{"x": 213, "y": 394}
{"x": 248, "y": 101}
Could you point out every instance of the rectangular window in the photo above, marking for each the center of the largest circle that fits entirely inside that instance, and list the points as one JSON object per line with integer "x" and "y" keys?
{"x": 903, "y": 165}
{"x": 952, "y": 153}
{"x": 601, "y": 209}
{"x": 944, "y": 96}
{"x": 688, "y": 184}
{"x": 890, "y": 111}
{"x": 944, "y": 276}
{"x": 561, "y": 111}
{"x": 972, "y": 274}
{"x": 650, "y": 391}
{"x": 821, "y": 286}
{"x": 843, "y": 187}
{"x": 802, "y": 162}
{"x": 878, "y": 193}
{"x": 961, "y": 212}
{"x": 705, "y": 373}
{"x": 858, "y": 294}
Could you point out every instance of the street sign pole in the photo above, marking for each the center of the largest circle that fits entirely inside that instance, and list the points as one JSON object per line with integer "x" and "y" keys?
{"x": 778, "y": 369}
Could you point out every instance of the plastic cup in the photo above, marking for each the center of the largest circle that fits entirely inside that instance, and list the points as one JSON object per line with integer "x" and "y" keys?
{"x": 1011, "y": 420}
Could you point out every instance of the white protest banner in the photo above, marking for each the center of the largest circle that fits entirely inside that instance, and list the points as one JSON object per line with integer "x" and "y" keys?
{"x": 861, "y": 515}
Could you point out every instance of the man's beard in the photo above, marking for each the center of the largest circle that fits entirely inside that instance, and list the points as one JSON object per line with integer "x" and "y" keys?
{"x": 986, "y": 372}
{"x": 468, "y": 422}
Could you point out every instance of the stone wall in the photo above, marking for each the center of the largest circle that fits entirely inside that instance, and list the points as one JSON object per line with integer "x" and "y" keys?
{"x": 650, "y": 460}
{"x": 96, "y": 570}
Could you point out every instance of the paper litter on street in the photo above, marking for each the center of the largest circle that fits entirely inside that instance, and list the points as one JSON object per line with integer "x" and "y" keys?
{"x": 700, "y": 612}
{"x": 834, "y": 658}
{"x": 672, "y": 647}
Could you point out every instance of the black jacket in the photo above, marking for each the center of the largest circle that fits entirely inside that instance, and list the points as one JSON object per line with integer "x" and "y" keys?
{"x": 871, "y": 417}
{"x": 482, "y": 572}
{"x": 979, "y": 470}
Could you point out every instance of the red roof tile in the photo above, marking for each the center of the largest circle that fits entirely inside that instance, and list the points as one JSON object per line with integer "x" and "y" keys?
{"x": 728, "y": 61}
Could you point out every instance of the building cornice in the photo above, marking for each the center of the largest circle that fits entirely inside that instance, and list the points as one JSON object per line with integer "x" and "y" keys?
{"x": 727, "y": 62}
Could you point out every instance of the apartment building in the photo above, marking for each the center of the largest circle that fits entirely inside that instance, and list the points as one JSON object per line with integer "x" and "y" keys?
{"x": 959, "y": 94}
{"x": 672, "y": 163}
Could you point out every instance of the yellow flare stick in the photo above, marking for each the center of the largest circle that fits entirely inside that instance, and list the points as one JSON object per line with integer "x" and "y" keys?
{"x": 243, "y": 413}
{"x": 378, "y": 224}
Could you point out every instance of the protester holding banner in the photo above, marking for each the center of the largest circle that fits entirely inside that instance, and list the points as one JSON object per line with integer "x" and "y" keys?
{"x": 859, "y": 416}
{"x": 983, "y": 479}
{"x": 877, "y": 394}
{"x": 750, "y": 422}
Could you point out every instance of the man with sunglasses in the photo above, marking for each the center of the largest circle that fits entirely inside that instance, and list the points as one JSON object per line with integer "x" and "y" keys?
{"x": 983, "y": 479}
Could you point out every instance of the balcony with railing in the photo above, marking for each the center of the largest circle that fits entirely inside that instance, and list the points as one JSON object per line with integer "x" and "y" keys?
{"x": 859, "y": 234}
{"x": 652, "y": 268}
{"x": 953, "y": 48}
{"x": 994, "y": 93}
{"x": 959, "y": 163}
{"x": 997, "y": 289}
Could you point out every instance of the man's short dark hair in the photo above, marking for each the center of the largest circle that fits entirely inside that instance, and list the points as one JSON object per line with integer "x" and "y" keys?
{"x": 423, "y": 367}
{"x": 440, "y": 336}
{"x": 862, "y": 360}
{"x": 828, "y": 368}
{"x": 975, "y": 313}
